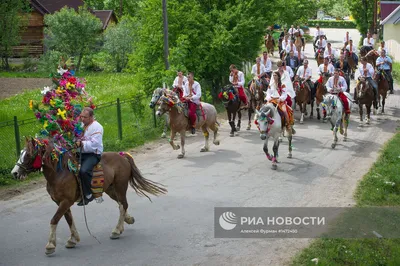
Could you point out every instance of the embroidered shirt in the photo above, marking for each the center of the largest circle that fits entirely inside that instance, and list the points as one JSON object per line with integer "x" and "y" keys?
{"x": 92, "y": 141}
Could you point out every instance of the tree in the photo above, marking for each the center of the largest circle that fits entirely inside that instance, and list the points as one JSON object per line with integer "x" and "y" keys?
{"x": 339, "y": 10}
{"x": 118, "y": 42}
{"x": 362, "y": 12}
{"x": 11, "y": 24}
{"x": 71, "y": 32}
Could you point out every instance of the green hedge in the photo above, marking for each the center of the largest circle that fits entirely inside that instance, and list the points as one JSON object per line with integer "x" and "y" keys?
{"x": 344, "y": 24}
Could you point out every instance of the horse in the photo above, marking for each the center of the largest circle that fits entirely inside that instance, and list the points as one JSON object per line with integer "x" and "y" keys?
{"x": 270, "y": 44}
{"x": 232, "y": 106}
{"x": 303, "y": 96}
{"x": 256, "y": 90}
{"x": 320, "y": 92}
{"x": 364, "y": 50}
{"x": 336, "y": 115}
{"x": 271, "y": 124}
{"x": 298, "y": 42}
{"x": 351, "y": 62}
{"x": 320, "y": 57}
{"x": 63, "y": 186}
{"x": 371, "y": 57}
{"x": 365, "y": 96}
{"x": 383, "y": 87}
{"x": 179, "y": 122}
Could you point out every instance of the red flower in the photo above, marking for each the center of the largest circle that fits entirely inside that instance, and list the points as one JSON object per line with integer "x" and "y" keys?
{"x": 231, "y": 96}
{"x": 72, "y": 80}
{"x": 220, "y": 95}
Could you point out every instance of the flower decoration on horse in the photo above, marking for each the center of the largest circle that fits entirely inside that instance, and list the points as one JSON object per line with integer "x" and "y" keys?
{"x": 60, "y": 108}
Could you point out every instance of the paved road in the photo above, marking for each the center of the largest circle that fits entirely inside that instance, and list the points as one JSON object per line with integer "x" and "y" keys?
{"x": 177, "y": 229}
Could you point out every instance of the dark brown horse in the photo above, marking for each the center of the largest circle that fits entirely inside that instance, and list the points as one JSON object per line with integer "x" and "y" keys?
{"x": 256, "y": 90}
{"x": 352, "y": 64}
{"x": 63, "y": 188}
{"x": 365, "y": 96}
{"x": 303, "y": 96}
{"x": 320, "y": 92}
{"x": 232, "y": 104}
{"x": 383, "y": 87}
{"x": 371, "y": 57}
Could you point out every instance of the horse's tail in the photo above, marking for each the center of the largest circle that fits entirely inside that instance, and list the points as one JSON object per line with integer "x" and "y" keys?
{"x": 141, "y": 184}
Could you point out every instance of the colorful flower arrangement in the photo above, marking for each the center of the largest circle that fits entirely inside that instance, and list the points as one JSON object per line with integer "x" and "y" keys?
{"x": 60, "y": 108}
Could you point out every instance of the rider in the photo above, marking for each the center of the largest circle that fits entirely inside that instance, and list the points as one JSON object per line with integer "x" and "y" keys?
{"x": 337, "y": 85}
{"x": 346, "y": 39}
{"x": 369, "y": 42}
{"x": 277, "y": 93}
{"x": 91, "y": 148}
{"x": 343, "y": 65}
{"x": 317, "y": 35}
{"x": 236, "y": 77}
{"x": 353, "y": 51}
{"x": 192, "y": 95}
{"x": 291, "y": 32}
{"x": 285, "y": 43}
{"x": 385, "y": 62}
{"x": 326, "y": 67}
{"x": 330, "y": 53}
{"x": 179, "y": 82}
{"x": 382, "y": 47}
{"x": 287, "y": 81}
{"x": 321, "y": 45}
{"x": 301, "y": 34}
{"x": 367, "y": 71}
{"x": 266, "y": 61}
{"x": 292, "y": 61}
{"x": 305, "y": 73}
{"x": 286, "y": 68}
{"x": 300, "y": 56}
{"x": 257, "y": 71}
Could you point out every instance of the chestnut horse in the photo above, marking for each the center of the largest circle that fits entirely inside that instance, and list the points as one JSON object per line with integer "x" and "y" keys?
{"x": 303, "y": 96}
{"x": 371, "y": 57}
{"x": 170, "y": 102}
{"x": 320, "y": 57}
{"x": 320, "y": 92}
{"x": 256, "y": 89}
{"x": 270, "y": 44}
{"x": 62, "y": 184}
{"x": 383, "y": 87}
{"x": 352, "y": 64}
{"x": 365, "y": 96}
{"x": 298, "y": 42}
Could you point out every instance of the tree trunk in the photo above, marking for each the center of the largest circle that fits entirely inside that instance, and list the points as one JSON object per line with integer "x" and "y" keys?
{"x": 165, "y": 19}
{"x": 79, "y": 61}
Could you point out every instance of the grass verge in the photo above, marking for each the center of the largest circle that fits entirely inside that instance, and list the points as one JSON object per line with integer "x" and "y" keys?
{"x": 379, "y": 187}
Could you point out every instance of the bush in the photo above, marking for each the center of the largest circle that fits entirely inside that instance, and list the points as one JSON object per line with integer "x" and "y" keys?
{"x": 341, "y": 24}
{"x": 396, "y": 71}
{"x": 97, "y": 62}
{"x": 49, "y": 61}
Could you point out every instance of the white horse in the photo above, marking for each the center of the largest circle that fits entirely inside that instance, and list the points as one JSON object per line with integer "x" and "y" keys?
{"x": 336, "y": 116}
{"x": 269, "y": 123}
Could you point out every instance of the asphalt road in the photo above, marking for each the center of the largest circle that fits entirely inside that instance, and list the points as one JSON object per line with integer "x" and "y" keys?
{"x": 178, "y": 228}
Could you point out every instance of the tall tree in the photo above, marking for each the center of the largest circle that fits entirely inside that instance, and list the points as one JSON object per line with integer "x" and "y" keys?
{"x": 11, "y": 25}
{"x": 362, "y": 12}
{"x": 73, "y": 33}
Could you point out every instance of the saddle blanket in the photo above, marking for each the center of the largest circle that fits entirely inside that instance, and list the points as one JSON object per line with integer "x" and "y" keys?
{"x": 98, "y": 181}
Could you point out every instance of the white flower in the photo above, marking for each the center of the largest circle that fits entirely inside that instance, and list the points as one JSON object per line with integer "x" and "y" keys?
{"x": 45, "y": 90}
{"x": 390, "y": 183}
{"x": 315, "y": 260}
{"x": 61, "y": 71}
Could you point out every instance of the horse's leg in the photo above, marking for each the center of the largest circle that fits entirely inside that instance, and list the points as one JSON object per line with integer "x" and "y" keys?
{"x": 368, "y": 106}
{"x": 275, "y": 149}
{"x": 183, "y": 135}
{"x": 239, "y": 120}
{"x": 302, "y": 111}
{"x": 318, "y": 113}
{"x": 63, "y": 207}
{"x": 383, "y": 104}
{"x": 215, "y": 129}
{"x": 312, "y": 109}
{"x": 171, "y": 140}
{"x": 164, "y": 134}
{"x": 111, "y": 192}
{"x": 335, "y": 129}
{"x": 290, "y": 137}
{"x": 265, "y": 148}
{"x": 120, "y": 194}
{"x": 360, "y": 107}
{"x": 346, "y": 125}
{"x": 74, "y": 238}
{"x": 206, "y": 138}
{"x": 249, "y": 124}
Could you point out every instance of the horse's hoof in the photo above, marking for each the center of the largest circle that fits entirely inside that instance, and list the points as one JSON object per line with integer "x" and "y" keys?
{"x": 248, "y": 128}
{"x": 203, "y": 150}
{"x": 345, "y": 139}
{"x": 50, "y": 249}
{"x": 301, "y": 122}
{"x": 177, "y": 147}
{"x": 236, "y": 134}
{"x": 231, "y": 134}
{"x": 114, "y": 235}
{"x": 289, "y": 155}
{"x": 70, "y": 244}
{"x": 274, "y": 167}
{"x": 216, "y": 142}
{"x": 237, "y": 128}
{"x": 280, "y": 139}
{"x": 129, "y": 220}
{"x": 163, "y": 135}
{"x": 180, "y": 156}
{"x": 333, "y": 145}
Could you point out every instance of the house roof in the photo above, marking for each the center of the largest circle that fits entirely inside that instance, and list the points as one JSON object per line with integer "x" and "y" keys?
{"x": 105, "y": 16}
{"x": 51, "y": 6}
{"x": 387, "y": 7}
{"x": 393, "y": 18}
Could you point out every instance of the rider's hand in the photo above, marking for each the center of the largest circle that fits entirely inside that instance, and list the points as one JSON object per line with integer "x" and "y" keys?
{"x": 78, "y": 144}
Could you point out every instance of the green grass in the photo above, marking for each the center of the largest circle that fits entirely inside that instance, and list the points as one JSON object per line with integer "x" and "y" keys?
{"x": 379, "y": 187}
{"x": 396, "y": 71}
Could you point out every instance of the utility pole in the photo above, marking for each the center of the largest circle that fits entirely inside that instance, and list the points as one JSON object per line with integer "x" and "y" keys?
{"x": 165, "y": 19}
{"x": 120, "y": 9}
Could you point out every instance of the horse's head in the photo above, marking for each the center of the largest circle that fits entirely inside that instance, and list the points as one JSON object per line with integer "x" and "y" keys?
{"x": 227, "y": 94}
{"x": 361, "y": 87}
{"x": 325, "y": 77}
{"x": 156, "y": 96}
{"x": 30, "y": 159}
{"x": 265, "y": 119}
{"x": 168, "y": 100}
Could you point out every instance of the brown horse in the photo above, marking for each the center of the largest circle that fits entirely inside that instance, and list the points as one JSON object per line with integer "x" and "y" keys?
{"x": 63, "y": 188}
{"x": 207, "y": 119}
{"x": 303, "y": 96}
{"x": 256, "y": 90}
{"x": 320, "y": 57}
{"x": 365, "y": 96}
{"x": 270, "y": 44}
{"x": 352, "y": 64}
{"x": 298, "y": 42}
{"x": 383, "y": 87}
{"x": 320, "y": 92}
{"x": 371, "y": 57}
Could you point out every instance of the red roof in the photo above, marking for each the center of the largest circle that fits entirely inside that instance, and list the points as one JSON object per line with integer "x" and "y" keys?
{"x": 387, "y": 7}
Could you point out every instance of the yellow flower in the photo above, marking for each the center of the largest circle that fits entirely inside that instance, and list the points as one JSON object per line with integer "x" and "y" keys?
{"x": 31, "y": 104}
{"x": 59, "y": 90}
{"x": 52, "y": 102}
{"x": 45, "y": 124}
{"x": 61, "y": 113}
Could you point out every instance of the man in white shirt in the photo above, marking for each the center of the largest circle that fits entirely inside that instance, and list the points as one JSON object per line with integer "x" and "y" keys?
{"x": 330, "y": 53}
{"x": 301, "y": 34}
{"x": 91, "y": 149}
{"x": 326, "y": 67}
{"x": 291, "y": 32}
{"x": 285, "y": 43}
{"x": 337, "y": 85}
{"x": 384, "y": 62}
{"x": 192, "y": 95}
{"x": 179, "y": 82}
{"x": 258, "y": 71}
{"x": 382, "y": 47}
{"x": 236, "y": 77}
{"x": 282, "y": 65}
{"x": 367, "y": 71}
{"x": 369, "y": 41}
{"x": 266, "y": 61}
{"x": 321, "y": 45}
{"x": 305, "y": 73}
{"x": 317, "y": 35}
{"x": 346, "y": 39}
{"x": 352, "y": 49}
{"x": 291, "y": 47}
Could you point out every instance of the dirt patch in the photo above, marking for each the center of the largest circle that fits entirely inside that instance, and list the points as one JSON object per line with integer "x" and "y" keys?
{"x": 10, "y": 192}
{"x": 13, "y": 86}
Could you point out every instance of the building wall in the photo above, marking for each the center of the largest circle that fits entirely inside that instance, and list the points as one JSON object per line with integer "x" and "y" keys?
{"x": 391, "y": 37}
{"x": 32, "y": 36}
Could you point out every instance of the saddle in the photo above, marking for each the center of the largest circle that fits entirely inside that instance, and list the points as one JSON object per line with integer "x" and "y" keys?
{"x": 98, "y": 181}
{"x": 199, "y": 111}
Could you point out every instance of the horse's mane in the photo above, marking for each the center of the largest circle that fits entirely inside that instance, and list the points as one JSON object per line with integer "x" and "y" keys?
{"x": 57, "y": 158}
